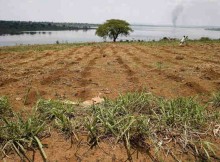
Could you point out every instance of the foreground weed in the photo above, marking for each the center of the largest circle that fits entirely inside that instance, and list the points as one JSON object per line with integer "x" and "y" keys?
{"x": 216, "y": 99}
{"x": 181, "y": 111}
{"x": 159, "y": 65}
{"x": 26, "y": 95}
{"x": 136, "y": 102}
{"x": 123, "y": 120}
{"x": 5, "y": 108}
{"x": 145, "y": 123}
{"x": 186, "y": 122}
{"x": 61, "y": 114}
{"x": 139, "y": 121}
{"x": 20, "y": 135}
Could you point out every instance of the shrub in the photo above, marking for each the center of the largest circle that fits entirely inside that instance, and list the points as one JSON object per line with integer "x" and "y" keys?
{"x": 205, "y": 39}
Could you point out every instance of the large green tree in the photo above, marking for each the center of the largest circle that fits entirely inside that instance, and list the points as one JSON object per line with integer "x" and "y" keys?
{"x": 113, "y": 28}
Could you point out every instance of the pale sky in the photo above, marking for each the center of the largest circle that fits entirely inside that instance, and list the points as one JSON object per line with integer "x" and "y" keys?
{"x": 153, "y": 12}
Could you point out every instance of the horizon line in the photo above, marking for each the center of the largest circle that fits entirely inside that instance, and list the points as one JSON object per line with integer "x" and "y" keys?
{"x": 132, "y": 24}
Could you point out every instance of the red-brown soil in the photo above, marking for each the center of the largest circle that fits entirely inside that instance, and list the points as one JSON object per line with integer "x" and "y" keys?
{"x": 83, "y": 72}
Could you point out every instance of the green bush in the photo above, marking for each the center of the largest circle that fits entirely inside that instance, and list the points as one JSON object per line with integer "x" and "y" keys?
{"x": 205, "y": 39}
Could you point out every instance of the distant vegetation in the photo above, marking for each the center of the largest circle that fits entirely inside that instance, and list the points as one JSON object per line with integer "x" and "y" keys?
{"x": 17, "y": 27}
{"x": 214, "y": 29}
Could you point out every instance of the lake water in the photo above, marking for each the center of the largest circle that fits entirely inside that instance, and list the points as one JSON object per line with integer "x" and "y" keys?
{"x": 145, "y": 33}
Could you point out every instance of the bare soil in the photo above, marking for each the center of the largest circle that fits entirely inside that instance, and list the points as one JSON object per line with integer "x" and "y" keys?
{"x": 106, "y": 69}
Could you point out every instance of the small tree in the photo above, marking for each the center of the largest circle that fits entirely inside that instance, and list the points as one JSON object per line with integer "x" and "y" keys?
{"x": 113, "y": 28}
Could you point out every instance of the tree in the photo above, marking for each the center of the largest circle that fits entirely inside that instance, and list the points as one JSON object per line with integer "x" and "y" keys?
{"x": 113, "y": 28}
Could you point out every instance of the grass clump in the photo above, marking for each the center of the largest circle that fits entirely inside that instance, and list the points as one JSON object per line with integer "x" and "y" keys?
{"x": 136, "y": 102}
{"x": 118, "y": 122}
{"x": 19, "y": 135}
{"x": 181, "y": 111}
{"x": 151, "y": 124}
{"x": 185, "y": 122}
{"x": 60, "y": 114}
{"x": 159, "y": 65}
{"x": 5, "y": 108}
{"x": 216, "y": 99}
{"x": 123, "y": 119}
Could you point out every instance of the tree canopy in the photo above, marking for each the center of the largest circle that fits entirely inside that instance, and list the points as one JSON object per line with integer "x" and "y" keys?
{"x": 113, "y": 28}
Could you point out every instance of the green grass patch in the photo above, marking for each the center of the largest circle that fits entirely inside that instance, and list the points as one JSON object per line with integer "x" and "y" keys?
{"x": 140, "y": 121}
{"x": 60, "y": 114}
{"x": 216, "y": 99}
{"x": 63, "y": 46}
{"x": 145, "y": 123}
{"x": 19, "y": 135}
{"x": 5, "y": 108}
{"x": 39, "y": 48}
{"x": 181, "y": 111}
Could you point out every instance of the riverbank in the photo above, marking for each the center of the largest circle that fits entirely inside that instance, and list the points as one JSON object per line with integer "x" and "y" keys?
{"x": 142, "y": 33}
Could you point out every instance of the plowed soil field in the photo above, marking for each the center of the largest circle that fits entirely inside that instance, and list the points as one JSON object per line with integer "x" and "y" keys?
{"x": 81, "y": 72}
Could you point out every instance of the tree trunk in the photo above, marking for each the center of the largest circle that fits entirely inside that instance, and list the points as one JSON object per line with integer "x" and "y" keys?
{"x": 115, "y": 37}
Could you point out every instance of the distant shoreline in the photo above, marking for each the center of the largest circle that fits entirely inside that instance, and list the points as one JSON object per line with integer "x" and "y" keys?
{"x": 213, "y": 29}
{"x": 19, "y": 27}
{"x": 32, "y": 32}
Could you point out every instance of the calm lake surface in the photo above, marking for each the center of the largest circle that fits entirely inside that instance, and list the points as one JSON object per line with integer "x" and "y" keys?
{"x": 145, "y": 33}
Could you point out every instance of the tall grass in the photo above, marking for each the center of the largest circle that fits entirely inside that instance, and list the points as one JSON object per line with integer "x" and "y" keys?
{"x": 60, "y": 114}
{"x": 140, "y": 121}
{"x": 150, "y": 124}
{"x": 180, "y": 111}
{"x": 117, "y": 119}
{"x": 20, "y": 135}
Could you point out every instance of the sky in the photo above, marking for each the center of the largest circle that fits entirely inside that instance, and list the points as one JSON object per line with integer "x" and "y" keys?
{"x": 150, "y": 12}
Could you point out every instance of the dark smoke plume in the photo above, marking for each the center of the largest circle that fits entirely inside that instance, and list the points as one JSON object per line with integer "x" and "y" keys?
{"x": 176, "y": 13}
